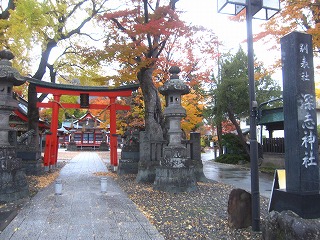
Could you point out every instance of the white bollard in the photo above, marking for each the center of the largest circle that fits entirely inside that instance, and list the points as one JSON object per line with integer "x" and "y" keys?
{"x": 103, "y": 184}
{"x": 58, "y": 187}
{"x": 115, "y": 168}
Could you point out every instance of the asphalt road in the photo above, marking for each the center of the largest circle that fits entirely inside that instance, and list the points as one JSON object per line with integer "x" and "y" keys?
{"x": 234, "y": 175}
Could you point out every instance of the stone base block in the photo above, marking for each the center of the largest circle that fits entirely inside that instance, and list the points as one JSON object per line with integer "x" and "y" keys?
{"x": 13, "y": 185}
{"x": 130, "y": 155}
{"x": 175, "y": 180}
{"x": 31, "y": 162}
{"x": 198, "y": 171}
{"x": 306, "y": 206}
{"x": 127, "y": 166}
{"x": 33, "y": 167}
{"x": 146, "y": 173}
{"x": 289, "y": 226}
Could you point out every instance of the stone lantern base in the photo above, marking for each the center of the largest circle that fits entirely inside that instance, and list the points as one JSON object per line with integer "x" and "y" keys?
{"x": 13, "y": 182}
{"x": 175, "y": 180}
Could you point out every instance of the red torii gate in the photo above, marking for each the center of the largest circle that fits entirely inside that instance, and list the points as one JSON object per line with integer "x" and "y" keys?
{"x": 51, "y": 147}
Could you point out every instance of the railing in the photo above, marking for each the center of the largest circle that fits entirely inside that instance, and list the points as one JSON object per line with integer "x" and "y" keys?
{"x": 156, "y": 150}
{"x": 193, "y": 148}
{"x": 274, "y": 145}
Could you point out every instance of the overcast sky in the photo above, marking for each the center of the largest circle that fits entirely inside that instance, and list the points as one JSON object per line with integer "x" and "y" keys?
{"x": 232, "y": 34}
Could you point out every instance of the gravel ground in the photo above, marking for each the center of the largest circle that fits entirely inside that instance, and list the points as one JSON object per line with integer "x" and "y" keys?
{"x": 197, "y": 215}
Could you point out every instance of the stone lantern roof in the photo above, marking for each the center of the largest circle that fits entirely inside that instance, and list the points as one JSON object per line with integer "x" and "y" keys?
{"x": 7, "y": 72}
{"x": 174, "y": 85}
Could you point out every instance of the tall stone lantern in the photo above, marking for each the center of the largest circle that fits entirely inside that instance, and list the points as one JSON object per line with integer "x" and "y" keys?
{"x": 13, "y": 183}
{"x": 175, "y": 173}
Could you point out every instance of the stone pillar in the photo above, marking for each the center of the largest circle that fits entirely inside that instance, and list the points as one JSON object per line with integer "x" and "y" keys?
{"x": 300, "y": 119}
{"x": 13, "y": 183}
{"x": 300, "y": 128}
{"x": 146, "y": 165}
{"x": 195, "y": 149}
{"x": 176, "y": 172}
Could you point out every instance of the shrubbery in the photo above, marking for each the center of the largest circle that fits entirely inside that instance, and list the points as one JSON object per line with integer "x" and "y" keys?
{"x": 235, "y": 151}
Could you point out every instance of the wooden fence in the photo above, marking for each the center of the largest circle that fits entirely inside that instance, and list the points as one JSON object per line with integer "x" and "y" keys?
{"x": 274, "y": 145}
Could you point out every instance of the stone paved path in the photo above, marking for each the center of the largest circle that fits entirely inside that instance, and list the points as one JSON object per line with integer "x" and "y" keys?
{"x": 82, "y": 211}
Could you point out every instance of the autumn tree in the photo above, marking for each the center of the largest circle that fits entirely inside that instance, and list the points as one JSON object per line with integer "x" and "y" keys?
{"x": 133, "y": 119}
{"x": 146, "y": 38}
{"x": 39, "y": 27}
{"x": 302, "y": 16}
{"x": 139, "y": 34}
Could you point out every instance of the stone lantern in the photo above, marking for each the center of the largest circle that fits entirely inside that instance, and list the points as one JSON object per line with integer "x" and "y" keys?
{"x": 175, "y": 173}
{"x": 13, "y": 183}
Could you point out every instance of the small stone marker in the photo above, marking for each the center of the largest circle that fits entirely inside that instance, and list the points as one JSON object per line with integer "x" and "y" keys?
{"x": 103, "y": 184}
{"x": 239, "y": 209}
{"x": 58, "y": 187}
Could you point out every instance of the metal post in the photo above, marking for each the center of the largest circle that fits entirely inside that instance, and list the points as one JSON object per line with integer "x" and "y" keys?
{"x": 253, "y": 131}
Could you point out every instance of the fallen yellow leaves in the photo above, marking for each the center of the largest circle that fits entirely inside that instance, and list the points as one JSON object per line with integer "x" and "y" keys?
{"x": 44, "y": 181}
{"x": 99, "y": 174}
{"x": 198, "y": 215}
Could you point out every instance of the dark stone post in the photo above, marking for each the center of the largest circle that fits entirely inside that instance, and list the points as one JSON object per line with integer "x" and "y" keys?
{"x": 128, "y": 163}
{"x": 300, "y": 125}
{"x": 195, "y": 148}
{"x": 13, "y": 182}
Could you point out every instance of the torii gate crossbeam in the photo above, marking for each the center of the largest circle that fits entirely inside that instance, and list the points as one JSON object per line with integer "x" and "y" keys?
{"x": 51, "y": 147}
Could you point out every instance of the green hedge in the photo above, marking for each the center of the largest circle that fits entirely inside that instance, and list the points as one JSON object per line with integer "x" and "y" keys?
{"x": 235, "y": 151}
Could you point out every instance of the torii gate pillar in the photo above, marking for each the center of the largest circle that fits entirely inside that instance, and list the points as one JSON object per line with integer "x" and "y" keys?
{"x": 113, "y": 134}
{"x": 51, "y": 149}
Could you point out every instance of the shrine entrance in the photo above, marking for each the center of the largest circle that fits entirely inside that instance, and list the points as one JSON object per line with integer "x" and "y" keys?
{"x": 51, "y": 146}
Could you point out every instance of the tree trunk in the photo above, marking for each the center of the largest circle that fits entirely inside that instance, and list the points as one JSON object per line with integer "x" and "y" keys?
{"x": 33, "y": 116}
{"x": 33, "y": 111}
{"x": 154, "y": 120}
{"x": 237, "y": 126}
{"x": 219, "y": 134}
{"x": 153, "y": 127}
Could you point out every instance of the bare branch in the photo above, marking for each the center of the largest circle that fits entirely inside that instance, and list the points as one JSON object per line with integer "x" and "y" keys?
{"x": 5, "y": 14}
{"x": 120, "y": 27}
{"x": 146, "y": 20}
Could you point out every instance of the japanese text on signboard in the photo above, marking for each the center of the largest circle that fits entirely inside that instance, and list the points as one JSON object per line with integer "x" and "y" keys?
{"x": 308, "y": 104}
